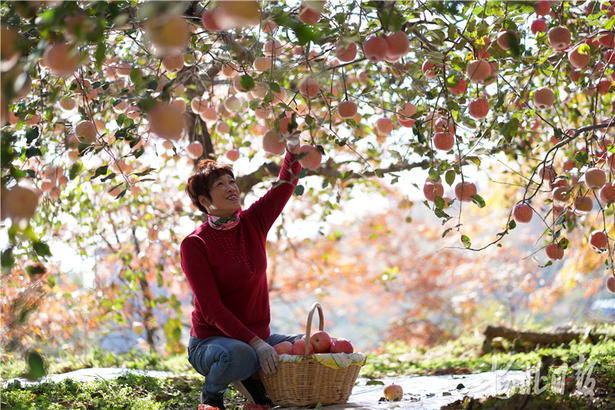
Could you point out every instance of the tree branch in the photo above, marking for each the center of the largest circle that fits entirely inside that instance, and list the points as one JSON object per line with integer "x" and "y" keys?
{"x": 272, "y": 169}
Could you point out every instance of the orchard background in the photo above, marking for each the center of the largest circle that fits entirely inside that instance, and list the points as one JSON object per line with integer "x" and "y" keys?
{"x": 458, "y": 164}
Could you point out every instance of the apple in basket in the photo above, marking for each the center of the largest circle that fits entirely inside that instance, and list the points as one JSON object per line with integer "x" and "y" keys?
{"x": 393, "y": 392}
{"x": 299, "y": 348}
{"x": 321, "y": 341}
{"x": 341, "y": 346}
{"x": 283, "y": 347}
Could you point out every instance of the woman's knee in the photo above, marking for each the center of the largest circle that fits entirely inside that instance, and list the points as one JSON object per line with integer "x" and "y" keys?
{"x": 242, "y": 362}
{"x": 243, "y": 352}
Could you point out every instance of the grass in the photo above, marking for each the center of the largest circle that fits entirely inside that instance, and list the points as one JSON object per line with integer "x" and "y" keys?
{"x": 464, "y": 355}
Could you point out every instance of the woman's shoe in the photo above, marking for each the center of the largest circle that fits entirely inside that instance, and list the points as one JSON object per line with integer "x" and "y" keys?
{"x": 210, "y": 403}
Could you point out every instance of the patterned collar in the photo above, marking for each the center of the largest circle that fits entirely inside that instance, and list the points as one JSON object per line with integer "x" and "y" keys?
{"x": 222, "y": 223}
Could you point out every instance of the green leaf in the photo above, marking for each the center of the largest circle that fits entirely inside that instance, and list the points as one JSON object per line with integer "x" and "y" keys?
{"x": 102, "y": 170}
{"x": 563, "y": 243}
{"x": 439, "y": 202}
{"x": 75, "y": 169}
{"x": 478, "y": 200}
{"x": 373, "y": 382}
{"x": 33, "y": 152}
{"x": 500, "y": 102}
{"x": 136, "y": 76}
{"x": 450, "y": 177}
{"x": 31, "y": 135}
{"x": 581, "y": 157}
{"x": 466, "y": 241}
{"x": 41, "y": 248}
{"x": 101, "y": 48}
{"x": 299, "y": 189}
{"x": 446, "y": 232}
{"x": 34, "y": 270}
{"x": 247, "y": 82}
{"x": 584, "y": 49}
{"x": 441, "y": 214}
{"x": 434, "y": 174}
{"x": 35, "y": 365}
{"x": 7, "y": 259}
{"x": 305, "y": 34}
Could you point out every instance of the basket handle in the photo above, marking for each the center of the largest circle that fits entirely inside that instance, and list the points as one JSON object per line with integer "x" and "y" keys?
{"x": 321, "y": 321}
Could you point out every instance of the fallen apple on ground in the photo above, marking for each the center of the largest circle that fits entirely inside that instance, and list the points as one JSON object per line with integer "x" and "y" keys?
{"x": 393, "y": 392}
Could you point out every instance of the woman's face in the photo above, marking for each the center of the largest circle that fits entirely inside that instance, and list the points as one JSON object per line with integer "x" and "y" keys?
{"x": 224, "y": 197}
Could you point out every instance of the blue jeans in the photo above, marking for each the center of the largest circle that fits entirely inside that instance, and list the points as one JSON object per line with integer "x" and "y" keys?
{"x": 223, "y": 360}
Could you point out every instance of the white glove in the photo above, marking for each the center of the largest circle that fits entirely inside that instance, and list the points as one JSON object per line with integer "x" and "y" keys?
{"x": 267, "y": 356}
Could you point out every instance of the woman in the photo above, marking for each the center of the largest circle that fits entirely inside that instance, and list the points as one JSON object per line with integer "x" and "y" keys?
{"x": 225, "y": 262}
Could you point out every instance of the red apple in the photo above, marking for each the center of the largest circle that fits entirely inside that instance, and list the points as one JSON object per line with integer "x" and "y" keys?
{"x": 522, "y": 213}
{"x": 443, "y": 141}
{"x": 393, "y": 392}
{"x": 598, "y": 241}
{"x": 577, "y": 59}
{"x": 606, "y": 39}
{"x": 345, "y": 54}
{"x": 595, "y": 178}
{"x": 321, "y": 341}
{"x": 544, "y": 98}
{"x": 507, "y": 38}
{"x": 398, "y": 45}
{"x": 408, "y": 111}
{"x": 272, "y": 48}
{"x": 559, "y": 37}
{"x": 429, "y": 69}
{"x": 604, "y": 85}
{"x": 384, "y": 125}
{"x": 460, "y": 88}
{"x": 464, "y": 191}
{"x": 341, "y": 346}
{"x": 273, "y": 142}
{"x": 375, "y": 49}
{"x": 610, "y": 284}
{"x": 313, "y": 158}
{"x": 547, "y": 172}
{"x": 347, "y": 109}
{"x": 194, "y": 150}
{"x": 582, "y": 205}
{"x": 542, "y": 8}
{"x": 209, "y": 22}
{"x": 607, "y": 192}
{"x": 308, "y": 15}
{"x": 538, "y": 25}
{"x": 554, "y": 252}
{"x": 432, "y": 189}
{"x": 478, "y": 108}
{"x": 309, "y": 87}
{"x": 299, "y": 348}
{"x": 560, "y": 194}
{"x": 478, "y": 70}
{"x": 232, "y": 154}
{"x": 284, "y": 348}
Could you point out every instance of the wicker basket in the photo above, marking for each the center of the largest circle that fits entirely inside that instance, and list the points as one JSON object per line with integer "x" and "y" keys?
{"x": 307, "y": 383}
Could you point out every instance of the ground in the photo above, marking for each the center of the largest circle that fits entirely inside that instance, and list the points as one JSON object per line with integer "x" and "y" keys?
{"x": 462, "y": 356}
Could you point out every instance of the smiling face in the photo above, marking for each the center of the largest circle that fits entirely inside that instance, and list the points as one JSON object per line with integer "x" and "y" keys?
{"x": 224, "y": 194}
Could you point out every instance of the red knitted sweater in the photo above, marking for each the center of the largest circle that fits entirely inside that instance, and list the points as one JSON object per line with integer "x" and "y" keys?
{"x": 227, "y": 269}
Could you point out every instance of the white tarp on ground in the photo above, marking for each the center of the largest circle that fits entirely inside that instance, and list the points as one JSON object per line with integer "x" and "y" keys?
{"x": 420, "y": 392}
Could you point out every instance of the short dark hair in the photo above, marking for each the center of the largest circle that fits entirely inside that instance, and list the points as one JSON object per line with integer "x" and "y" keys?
{"x": 199, "y": 183}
